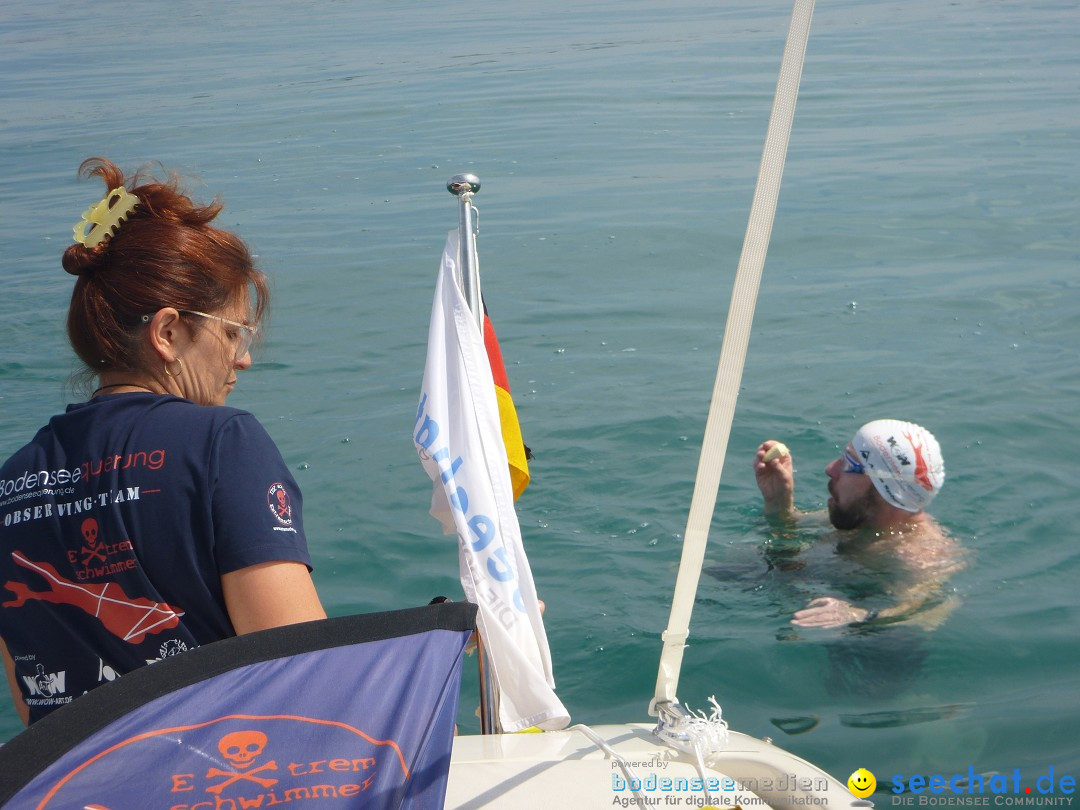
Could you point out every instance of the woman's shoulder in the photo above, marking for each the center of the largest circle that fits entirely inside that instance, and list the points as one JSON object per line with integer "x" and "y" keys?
{"x": 209, "y": 413}
{"x": 167, "y": 414}
{"x": 212, "y": 419}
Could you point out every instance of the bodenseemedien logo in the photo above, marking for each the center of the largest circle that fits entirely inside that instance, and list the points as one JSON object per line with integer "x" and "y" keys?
{"x": 786, "y": 791}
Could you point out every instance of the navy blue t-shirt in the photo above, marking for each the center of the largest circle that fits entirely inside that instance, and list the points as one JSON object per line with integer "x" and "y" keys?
{"x": 116, "y": 524}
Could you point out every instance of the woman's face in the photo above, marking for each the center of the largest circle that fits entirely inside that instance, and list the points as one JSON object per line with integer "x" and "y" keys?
{"x": 217, "y": 351}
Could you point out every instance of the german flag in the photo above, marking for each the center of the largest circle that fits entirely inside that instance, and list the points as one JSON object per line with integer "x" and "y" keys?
{"x": 516, "y": 451}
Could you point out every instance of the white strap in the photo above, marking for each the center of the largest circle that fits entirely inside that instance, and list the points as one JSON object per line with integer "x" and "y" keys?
{"x": 733, "y": 352}
{"x": 624, "y": 764}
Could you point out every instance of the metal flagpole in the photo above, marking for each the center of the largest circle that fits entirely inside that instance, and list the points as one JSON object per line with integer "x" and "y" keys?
{"x": 464, "y": 186}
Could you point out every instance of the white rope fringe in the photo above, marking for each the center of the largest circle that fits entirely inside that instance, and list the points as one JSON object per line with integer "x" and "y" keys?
{"x": 703, "y": 736}
{"x": 698, "y": 732}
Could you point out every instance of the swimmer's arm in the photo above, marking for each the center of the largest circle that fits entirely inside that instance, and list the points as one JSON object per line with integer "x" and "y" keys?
{"x": 13, "y": 684}
{"x": 776, "y": 480}
{"x": 827, "y": 611}
{"x": 775, "y": 473}
{"x": 923, "y": 597}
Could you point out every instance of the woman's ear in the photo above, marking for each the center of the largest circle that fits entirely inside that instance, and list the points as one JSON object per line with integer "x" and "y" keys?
{"x": 168, "y": 335}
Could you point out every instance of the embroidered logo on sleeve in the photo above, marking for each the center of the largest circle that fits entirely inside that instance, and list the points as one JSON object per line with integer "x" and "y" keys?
{"x": 277, "y": 498}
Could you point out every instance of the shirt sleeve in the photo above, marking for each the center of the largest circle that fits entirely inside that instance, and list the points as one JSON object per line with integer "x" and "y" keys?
{"x": 256, "y": 502}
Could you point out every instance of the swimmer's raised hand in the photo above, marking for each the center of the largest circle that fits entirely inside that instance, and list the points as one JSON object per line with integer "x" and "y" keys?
{"x": 775, "y": 475}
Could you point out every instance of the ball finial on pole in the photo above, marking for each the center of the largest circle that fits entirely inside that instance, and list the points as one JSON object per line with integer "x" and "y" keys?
{"x": 461, "y": 183}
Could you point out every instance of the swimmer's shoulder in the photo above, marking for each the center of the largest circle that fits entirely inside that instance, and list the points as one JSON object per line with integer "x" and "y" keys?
{"x": 933, "y": 548}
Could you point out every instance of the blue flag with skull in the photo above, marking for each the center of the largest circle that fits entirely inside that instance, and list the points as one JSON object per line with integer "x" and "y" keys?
{"x": 358, "y": 709}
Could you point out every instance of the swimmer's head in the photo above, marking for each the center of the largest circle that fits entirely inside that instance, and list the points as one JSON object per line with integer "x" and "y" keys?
{"x": 903, "y": 460}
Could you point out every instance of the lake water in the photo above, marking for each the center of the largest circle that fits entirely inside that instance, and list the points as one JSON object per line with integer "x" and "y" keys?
{"x": 924, "y": 266}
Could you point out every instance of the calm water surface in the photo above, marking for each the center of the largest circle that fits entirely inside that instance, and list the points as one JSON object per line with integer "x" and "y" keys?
{"x": 923, "y": 266}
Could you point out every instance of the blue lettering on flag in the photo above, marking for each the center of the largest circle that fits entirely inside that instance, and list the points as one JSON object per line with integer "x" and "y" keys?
{"x": 483, "y": 527}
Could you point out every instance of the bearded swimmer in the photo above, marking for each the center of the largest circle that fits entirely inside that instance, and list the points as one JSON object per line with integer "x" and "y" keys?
{"x": 879, "y": 487}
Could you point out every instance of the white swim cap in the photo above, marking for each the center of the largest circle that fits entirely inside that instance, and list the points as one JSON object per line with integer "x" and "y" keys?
{"x": 903, "y": 460}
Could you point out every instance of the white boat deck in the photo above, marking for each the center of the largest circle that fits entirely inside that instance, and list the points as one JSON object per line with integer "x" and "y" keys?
{"x": 565, "y": 769}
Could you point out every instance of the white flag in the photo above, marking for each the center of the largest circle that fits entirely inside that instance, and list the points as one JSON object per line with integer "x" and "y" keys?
{"x": 459, "y": 440}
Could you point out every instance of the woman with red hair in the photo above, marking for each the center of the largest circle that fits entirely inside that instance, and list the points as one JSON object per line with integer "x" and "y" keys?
{"x": 151, "y": 518}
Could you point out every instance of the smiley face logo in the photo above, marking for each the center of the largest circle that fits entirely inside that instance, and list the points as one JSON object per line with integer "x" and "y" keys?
{"x": 862, "y": 783}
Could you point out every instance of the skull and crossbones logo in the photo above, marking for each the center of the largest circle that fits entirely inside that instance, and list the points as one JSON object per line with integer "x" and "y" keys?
{"x": 93, "y": 547}
{"x": 277, "y": 498}
{"x": 241, "y": 749}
